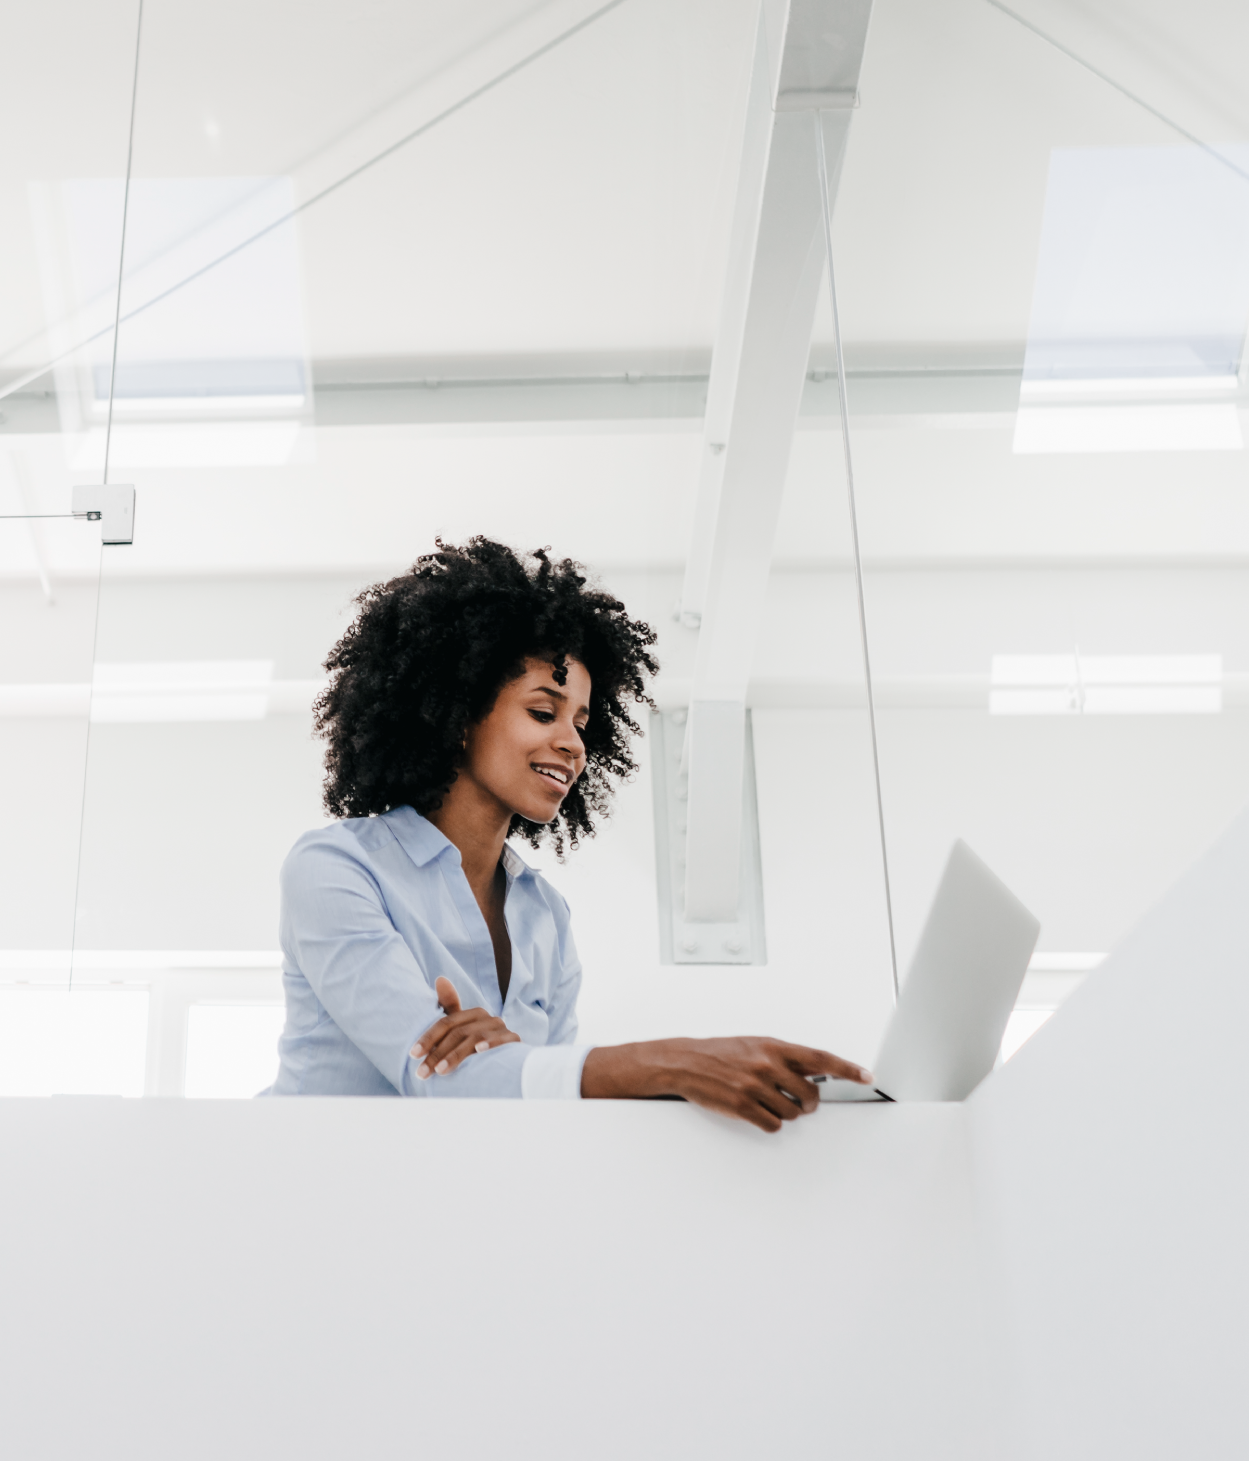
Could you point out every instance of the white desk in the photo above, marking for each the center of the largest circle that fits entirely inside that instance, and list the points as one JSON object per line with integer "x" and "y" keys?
{"x": 1055, "y": 1269}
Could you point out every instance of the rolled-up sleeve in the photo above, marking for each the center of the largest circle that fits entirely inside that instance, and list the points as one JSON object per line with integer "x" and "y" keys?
{"x": 337, "y": 932}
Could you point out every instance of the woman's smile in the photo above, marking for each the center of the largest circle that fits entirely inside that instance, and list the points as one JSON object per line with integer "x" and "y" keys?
{"x": 561, "y": 777}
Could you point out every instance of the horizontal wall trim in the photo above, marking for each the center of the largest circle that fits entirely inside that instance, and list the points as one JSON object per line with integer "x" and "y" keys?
{"x": 52, "y": 961}
{"x": 969, "y": 398}
{"x": 902, "y": 692}
{"x": 605, "y": 567}
{"x": 912, "y": 692}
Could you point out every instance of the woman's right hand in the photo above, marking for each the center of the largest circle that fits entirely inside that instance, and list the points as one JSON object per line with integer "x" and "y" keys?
{"x": 756, "y": 1079}
{"x": 459, "y": 1034}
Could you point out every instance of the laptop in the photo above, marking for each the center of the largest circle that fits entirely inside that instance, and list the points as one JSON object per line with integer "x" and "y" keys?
{"x": 946, "y": 1032}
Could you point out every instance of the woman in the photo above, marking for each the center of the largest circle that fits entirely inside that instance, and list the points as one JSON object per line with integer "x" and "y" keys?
{"x": 475, "y": 698}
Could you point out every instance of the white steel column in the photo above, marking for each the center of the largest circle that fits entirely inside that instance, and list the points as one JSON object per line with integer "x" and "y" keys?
{"x": 807, "y": 57}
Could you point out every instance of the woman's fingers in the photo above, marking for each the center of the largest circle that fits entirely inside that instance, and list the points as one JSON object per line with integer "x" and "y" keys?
{"x": 822, "y": 1062}
{"x": 798, "y": 1090}
{"x": 471, "y": 1041}
{"x": 464, "y": 1033}
{"x": 448, "y": 997}
{"x": 445, "y": 1028}
{"x": 463, "y": 1043}
{"x": 454, "y": 1055}
{"x": 752, "y": 1106}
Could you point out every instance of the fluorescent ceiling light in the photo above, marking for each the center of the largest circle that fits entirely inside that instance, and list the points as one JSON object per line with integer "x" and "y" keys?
{"x": 1059, "y": 388}
{"x": 196, "y": 690}
{"x": 181, "y": 690}
{"x": 1159, "y": 427}
{"x": 1114, "y": 684}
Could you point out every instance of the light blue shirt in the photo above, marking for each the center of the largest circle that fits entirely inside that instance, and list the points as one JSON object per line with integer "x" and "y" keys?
{"x": 374, "y": 909}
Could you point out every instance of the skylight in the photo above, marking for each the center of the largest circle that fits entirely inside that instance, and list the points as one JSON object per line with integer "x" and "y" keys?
{"x": 1140, "y": 304}
{"x": 212, "y": 364}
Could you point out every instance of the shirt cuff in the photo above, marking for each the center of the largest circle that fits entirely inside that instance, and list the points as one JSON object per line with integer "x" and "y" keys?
{"x": 553, "y": 1072}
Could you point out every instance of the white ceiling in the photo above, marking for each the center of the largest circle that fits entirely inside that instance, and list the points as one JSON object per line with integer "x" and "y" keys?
{"x": 575, "y": 219}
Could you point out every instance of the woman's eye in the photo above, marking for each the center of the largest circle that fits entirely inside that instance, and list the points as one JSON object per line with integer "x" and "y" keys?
{"x": 545, "y": 716}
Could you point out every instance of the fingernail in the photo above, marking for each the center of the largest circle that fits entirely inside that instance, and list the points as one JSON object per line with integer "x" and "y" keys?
{"x": 422, "y": 1073}
{"x": 482, "y": 1045}
{"x": 866, "y": 1076}
{"x": 418, "y": 1050}
{"x": 440, "y": 1067}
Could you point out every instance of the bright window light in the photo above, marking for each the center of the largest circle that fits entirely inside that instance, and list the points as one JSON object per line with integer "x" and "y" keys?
{"x": 1093, "y": 388}
{"x": 1021, "y": 1027}
{"x": 231, "y": 1049}
{"x": 80, "y": 1042}
{"x": 181, "y": 691}
{"x": 1107, "y": 684}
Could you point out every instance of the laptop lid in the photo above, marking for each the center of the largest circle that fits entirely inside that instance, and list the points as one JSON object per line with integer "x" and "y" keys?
{"x": 961, "y": 987}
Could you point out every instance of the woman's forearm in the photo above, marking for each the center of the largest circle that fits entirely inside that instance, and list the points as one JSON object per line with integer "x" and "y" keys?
{"x": 762, "y": 1081}
{"x": 636, "y": 1071}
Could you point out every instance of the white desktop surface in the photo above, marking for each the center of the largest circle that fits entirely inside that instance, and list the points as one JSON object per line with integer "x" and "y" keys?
{"x": 1054, "y": 1269}
{"x": 354, "y": 1278}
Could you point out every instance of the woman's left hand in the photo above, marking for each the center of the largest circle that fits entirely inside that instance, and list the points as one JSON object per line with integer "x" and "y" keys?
{"x": 459, "y": 1034}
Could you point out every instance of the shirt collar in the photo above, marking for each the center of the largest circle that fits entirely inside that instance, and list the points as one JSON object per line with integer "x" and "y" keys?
{"x": 514, "y": 865}
{"x": 423, "y": 842}
{"x": 420, "y": 839}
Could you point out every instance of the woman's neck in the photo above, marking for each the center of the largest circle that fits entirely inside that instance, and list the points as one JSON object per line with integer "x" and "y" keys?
{"x": 477, "y": 823}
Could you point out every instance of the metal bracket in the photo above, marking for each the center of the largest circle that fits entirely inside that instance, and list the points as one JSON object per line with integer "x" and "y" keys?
{"x": 682, "y": 940}
{"x": 112, "y": 506}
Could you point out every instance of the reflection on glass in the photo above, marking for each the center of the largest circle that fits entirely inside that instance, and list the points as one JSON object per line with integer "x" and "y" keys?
{"x": 62, "y": 185}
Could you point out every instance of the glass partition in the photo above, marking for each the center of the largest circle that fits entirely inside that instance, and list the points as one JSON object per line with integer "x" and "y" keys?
{"x": 386, "y": 282}
{"x": 64, "y": 1028}
{"x": 444, "y": 271}
{"x": 1045, "y": 294}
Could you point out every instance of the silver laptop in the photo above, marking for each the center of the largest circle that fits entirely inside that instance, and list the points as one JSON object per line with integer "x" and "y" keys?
{"x": 961, "y": 987}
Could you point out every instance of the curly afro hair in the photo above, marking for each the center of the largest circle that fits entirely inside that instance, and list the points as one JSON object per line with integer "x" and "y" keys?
{"x": 427, "y": 656}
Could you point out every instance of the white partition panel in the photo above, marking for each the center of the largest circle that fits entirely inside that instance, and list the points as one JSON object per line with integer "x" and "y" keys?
{"x": 1112, "y": 1153}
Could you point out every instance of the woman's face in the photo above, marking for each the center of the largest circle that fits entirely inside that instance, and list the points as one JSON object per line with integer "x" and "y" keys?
{"x": 527, "y": 751}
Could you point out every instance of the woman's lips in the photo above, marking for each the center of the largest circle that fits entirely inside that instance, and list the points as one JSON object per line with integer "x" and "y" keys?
{"x": 558, "y": 778}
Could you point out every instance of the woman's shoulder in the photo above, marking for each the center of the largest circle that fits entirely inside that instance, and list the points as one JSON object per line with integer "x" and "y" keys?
{"x": 352, "y": 839}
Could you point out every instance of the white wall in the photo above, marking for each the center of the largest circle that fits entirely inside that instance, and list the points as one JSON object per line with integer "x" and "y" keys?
{"x": 1088, "y": 819}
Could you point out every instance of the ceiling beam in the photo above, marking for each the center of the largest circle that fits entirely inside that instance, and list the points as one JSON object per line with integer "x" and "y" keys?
{"x": 806, "y": 69}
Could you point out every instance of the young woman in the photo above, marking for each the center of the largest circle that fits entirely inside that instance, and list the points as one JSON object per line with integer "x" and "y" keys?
{"x": 476, "y": 698}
